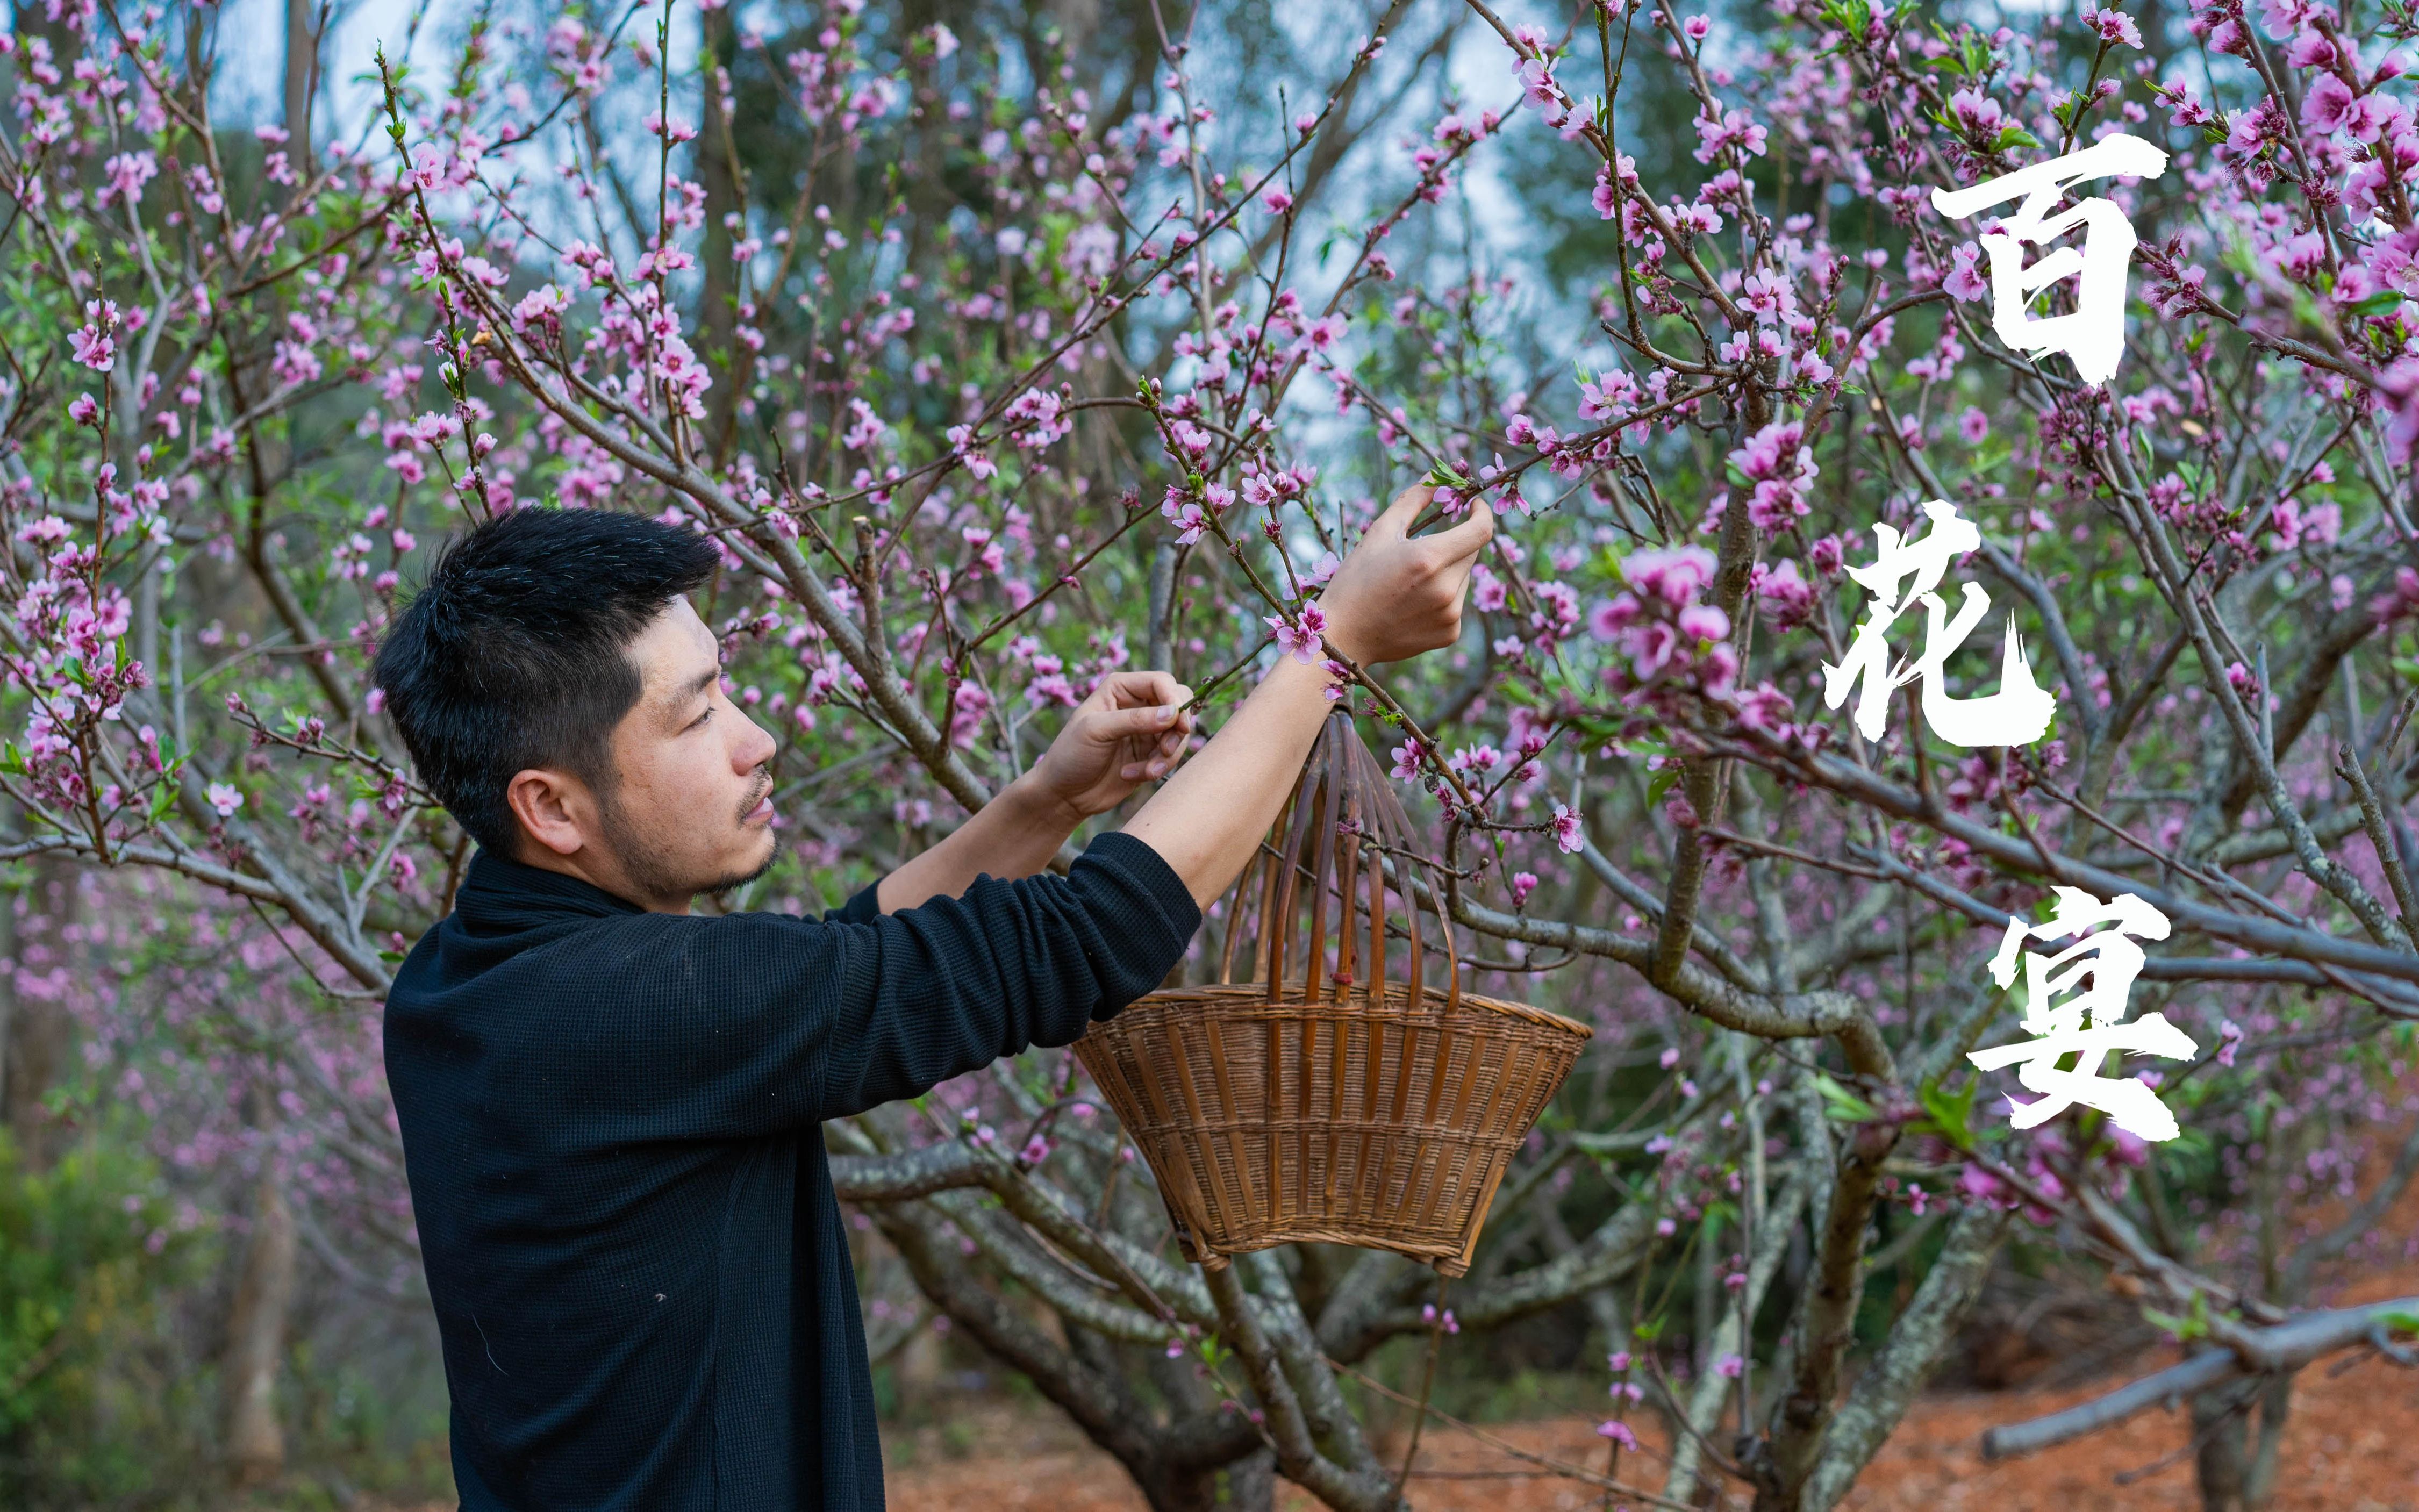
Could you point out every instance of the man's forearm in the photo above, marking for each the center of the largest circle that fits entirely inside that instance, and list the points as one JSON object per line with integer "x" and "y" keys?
{"x": 1207, "y": 818}
{"x": 1205, "y": 821}
{"x": 1014, "y": 835}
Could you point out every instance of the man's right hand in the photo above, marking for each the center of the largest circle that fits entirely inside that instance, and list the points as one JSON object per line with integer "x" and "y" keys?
{"x": 1396, "y": 596}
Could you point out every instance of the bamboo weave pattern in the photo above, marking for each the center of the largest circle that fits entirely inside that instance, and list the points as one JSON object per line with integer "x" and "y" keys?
{"x": 1324, "y": 1098}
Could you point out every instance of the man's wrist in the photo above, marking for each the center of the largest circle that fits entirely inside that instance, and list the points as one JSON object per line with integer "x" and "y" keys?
{"x": 1032, "y": 806}
{"x": 1343, "y": 641}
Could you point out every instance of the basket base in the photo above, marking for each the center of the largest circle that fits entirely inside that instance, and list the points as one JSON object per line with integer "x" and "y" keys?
{"x": 1448, "y": 1265}
{"x": 1376, "y": 1122}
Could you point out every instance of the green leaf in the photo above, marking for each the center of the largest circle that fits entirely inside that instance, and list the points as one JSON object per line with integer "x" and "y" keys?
{"x": 2014, "y": 137}
{"x": 2402, "y": 1320}
{"x": 2384, "y": 301}
{"x": 1660, "y": 783}
{"x": 1950, "y": 1116}
{"x": 1841, "y": 1105}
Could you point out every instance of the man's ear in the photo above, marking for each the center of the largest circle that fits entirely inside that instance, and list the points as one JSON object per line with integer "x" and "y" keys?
{"x": 554, "y": 809}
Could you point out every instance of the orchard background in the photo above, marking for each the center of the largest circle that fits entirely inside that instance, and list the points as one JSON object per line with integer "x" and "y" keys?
{"x": 1001, "y": 347}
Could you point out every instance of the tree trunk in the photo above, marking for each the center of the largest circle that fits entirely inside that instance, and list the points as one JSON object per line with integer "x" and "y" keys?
{"x": 301, "y": 81}
{"x": 2275, "y": 1407}
{"x": 38, "y": 1026}
{"x": 264, "y": 1294}
{"x": 1247, "y": 1484}
{"x": 2221, "y": 1422}
{"x": 718, "y": 309}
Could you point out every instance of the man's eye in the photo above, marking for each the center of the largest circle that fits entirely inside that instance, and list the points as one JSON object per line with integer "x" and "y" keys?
{"x": 703, "y": 718}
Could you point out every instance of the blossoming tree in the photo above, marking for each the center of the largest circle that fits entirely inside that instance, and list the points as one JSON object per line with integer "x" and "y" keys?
{"x": 994, "y": 359}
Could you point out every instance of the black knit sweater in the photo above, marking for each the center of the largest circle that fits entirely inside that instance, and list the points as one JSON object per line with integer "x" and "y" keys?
{"x": 611, "y": 1123}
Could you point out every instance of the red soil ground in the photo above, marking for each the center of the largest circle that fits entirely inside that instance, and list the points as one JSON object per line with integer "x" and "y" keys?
{"x": 2352, "y": 1445}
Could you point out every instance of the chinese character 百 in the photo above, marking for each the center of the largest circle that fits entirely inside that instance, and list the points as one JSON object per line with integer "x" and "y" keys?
{"x": 2111, "y": 960}
{"x": 2094, "y": 334}
{"x": 2017, "y": 714}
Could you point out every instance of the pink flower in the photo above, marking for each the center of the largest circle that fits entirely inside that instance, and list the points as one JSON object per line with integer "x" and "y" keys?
{"x": 1730, "y": 1368}
{"x": 1523, "y": 884}
{"x": 1964, "y": 282}
{"x": 1785, "y": 596}
{"x": 2326, "y": 106}
{"x": 1299, "y": 639}
{"x": 2114, "y": 27}
{"x": 1407, "y": 760}
{"x": 1979, "y": 1185}
{"x": 1676, "y": 575}
{"x": 127, "y": 173}
{"x": 1618, "y": 1431}
{"x": 1767, "y": 709}
{"x": 96, "y": 342}
{"x": 1609, "y": 619}
{"x": 1567, "y": 838}
{"x": 1978, "y": 114}
{"x": 85, "y": 411}
{"x": 226, "y": 800}
{"x": 1704, "y": 622}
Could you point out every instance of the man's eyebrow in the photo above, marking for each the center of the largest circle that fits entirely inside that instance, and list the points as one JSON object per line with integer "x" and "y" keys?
{"x": 695, "y": 686}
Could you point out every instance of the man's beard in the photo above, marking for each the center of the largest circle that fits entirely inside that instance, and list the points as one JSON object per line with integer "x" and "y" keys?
{"x": 643, "y": 866}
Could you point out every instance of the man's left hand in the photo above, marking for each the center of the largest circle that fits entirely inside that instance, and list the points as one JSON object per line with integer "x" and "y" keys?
{"x": 1131, "y": 731}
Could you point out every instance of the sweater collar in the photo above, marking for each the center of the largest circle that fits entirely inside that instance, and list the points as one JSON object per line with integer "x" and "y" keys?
{"x": 498, "y": 889}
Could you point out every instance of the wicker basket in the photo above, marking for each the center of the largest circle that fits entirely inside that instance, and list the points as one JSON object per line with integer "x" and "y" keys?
{"x": 1343, "y": 1104}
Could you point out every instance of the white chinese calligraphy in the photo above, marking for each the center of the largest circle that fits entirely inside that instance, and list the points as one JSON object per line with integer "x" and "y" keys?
{"x": 2094, "y": 334}
{"x": 2111, "y": 960}
{"x": 2017, "y": 714}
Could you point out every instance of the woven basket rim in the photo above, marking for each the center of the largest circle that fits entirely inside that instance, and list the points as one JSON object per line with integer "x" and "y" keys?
{"x": 1290, "y": 999}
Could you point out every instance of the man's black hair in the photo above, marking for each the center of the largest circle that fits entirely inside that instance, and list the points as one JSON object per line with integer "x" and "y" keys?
{"x": 516, "y": 653}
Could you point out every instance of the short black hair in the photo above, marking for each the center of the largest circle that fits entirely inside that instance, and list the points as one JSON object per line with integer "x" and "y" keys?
{"x": 515, "y": 653}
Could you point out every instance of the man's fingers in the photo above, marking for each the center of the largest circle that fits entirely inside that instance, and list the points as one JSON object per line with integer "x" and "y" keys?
{"x": 1397, "y": 521}
{"x": 1146, "y": 724}
{"x": 1466, "y": 539}
{"x": 1129, "y": 689}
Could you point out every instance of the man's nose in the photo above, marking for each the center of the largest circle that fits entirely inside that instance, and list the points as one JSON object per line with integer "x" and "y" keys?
{"x": 755, "y": 746}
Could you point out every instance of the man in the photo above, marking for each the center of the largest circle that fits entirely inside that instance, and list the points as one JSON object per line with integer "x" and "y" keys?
{"x": 610, "y": 1106}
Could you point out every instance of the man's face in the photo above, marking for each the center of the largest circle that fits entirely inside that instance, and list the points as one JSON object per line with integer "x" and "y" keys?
{"x": 692, "y": 811}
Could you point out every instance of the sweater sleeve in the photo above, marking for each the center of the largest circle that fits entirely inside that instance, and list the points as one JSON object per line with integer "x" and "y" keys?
{"x": 863, "y": 906}
{"x": 756, "y": 1023}
{"x": 939, "y": 990}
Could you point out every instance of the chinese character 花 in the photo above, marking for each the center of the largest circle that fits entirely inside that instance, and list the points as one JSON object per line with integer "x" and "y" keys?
{"x": 2111, "y": 961}
{"x": 2094, "y": 334}
{"x": 2017, "y": 714}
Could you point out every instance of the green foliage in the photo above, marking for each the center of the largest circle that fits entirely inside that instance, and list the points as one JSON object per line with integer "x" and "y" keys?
{"x": 1841, "y": 1105}
{"x": 89, "y": 1252}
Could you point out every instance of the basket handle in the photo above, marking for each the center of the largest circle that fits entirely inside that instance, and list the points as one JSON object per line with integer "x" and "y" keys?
{"x": 1322, "y": 871}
